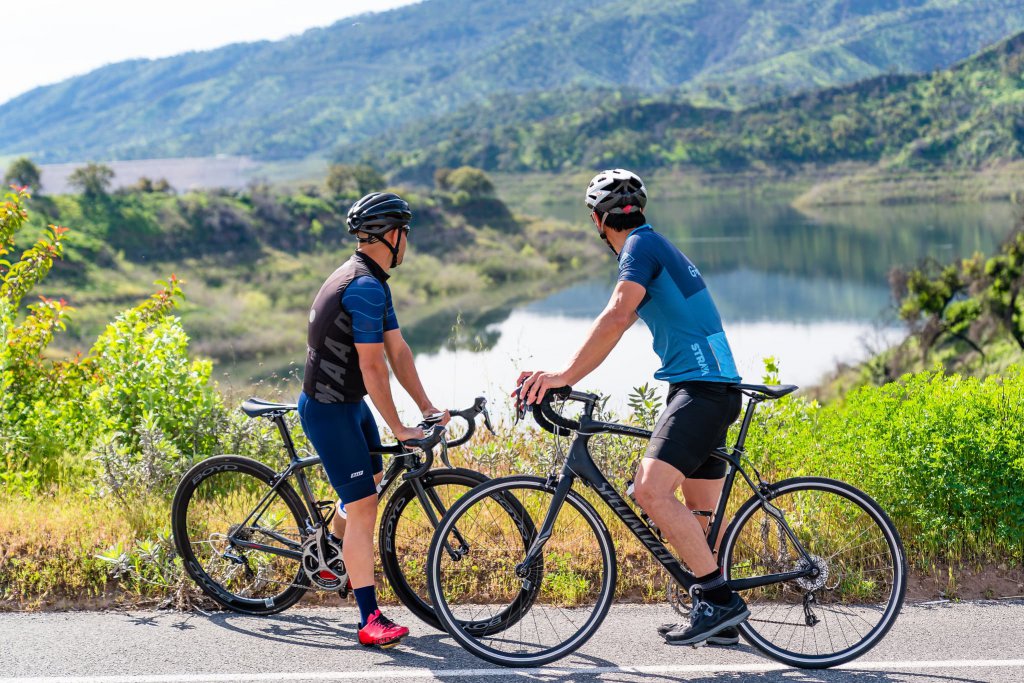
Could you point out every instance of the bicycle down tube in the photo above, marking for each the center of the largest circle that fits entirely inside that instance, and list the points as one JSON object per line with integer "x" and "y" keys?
{"x": 579, "y": 464}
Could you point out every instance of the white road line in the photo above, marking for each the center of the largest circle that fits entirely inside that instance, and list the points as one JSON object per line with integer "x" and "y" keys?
{"x": 412, "y": 674}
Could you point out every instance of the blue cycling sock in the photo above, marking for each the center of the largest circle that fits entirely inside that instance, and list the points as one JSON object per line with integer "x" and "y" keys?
{"x": 366, "y": 598}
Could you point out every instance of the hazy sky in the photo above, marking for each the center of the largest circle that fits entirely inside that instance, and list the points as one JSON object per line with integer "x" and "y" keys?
{"x": 46, "y": 41}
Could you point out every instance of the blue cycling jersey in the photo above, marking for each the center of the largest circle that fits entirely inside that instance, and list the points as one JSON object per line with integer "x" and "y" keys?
{"x": 678, "y": 309}
{"x": 368, "y": 301}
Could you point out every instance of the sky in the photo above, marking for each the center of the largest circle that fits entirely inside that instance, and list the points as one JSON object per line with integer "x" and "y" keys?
{"x": 47, "y": 41}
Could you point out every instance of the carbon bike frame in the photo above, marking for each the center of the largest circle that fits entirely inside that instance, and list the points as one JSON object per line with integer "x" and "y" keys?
{"x": 403, "y": 460}
{"x": 580, "y": 465}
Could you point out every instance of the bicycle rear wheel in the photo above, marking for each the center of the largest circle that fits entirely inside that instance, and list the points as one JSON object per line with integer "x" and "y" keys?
{"x": 825, "y": 620}
{"x": 227, "y": 495}
{"x": 573, "y": 579}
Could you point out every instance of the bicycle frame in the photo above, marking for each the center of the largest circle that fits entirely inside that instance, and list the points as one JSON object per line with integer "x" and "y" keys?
{"x": 404, "y": 460}
{"x": 580, "y": 465}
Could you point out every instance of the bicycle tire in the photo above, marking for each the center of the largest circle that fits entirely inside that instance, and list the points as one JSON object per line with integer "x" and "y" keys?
{"x": 391, "y": 561}
{"x": 179, "y": 526}
{"x": 497, "y": 488}
{"x": 390, "y": 521}
{"x": 892, "y": 542}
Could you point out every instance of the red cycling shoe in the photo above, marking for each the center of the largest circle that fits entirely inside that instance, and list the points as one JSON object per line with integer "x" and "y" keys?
{"x": 381, "y": 632}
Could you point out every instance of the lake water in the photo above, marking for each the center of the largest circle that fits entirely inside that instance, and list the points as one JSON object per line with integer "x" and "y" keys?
{"x": 810, "y": 289}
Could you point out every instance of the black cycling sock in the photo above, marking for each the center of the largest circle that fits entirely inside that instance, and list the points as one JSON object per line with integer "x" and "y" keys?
{"x": 366, "y": 598}
{"x": 714, "y": 588}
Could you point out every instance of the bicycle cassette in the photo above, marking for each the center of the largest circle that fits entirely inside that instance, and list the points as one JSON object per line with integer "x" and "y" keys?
{"x": 321, "y": 559}
{"x": 814, "y": 583}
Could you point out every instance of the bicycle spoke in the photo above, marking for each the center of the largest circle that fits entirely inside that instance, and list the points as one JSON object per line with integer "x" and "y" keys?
{"x": 846, "y": 604}
{"x": 569, "y": 581}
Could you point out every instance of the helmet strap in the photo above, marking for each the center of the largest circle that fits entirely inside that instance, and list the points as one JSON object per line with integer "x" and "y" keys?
{"x": 393, "y": 249}
{"x": 603, "y": 232}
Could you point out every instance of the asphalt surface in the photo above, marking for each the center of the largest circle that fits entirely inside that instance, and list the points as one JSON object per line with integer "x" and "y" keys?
{"x": 979, "y": 641}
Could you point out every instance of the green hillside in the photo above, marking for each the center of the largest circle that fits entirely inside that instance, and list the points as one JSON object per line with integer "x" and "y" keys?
{"x": 330, "y": 87}
{"x": 966, "y": 117}
{"x": 250, "y": 258}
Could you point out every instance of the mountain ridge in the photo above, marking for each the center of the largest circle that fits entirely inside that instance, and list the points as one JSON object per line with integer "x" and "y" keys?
{"x": 338, "y": 85}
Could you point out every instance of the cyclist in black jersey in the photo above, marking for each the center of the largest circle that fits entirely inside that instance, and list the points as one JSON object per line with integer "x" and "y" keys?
{"x": 353, "y": 336}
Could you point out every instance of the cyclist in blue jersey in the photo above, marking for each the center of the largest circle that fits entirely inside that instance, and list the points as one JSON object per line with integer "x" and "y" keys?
{"x": 353, "y": 335}
{"x": 660, "y": 285}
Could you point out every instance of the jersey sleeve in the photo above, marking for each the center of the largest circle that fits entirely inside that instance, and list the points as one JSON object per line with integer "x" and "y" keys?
{"x": 366, "y": 301}
{"x": 638, "y": 263}
{"x": 390, "y": 319}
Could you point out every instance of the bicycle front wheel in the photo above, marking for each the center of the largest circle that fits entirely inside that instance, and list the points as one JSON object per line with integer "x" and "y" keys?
{"x": 570, "y": 586}
{"x": 225, "y": 502}
{"x": 406, "y": 528}
{"x": 855, "y": 594}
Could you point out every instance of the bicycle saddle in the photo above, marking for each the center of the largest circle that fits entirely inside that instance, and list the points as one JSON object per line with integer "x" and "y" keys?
{"x": 768, "y": 390}
{"x": 255, "y": 407}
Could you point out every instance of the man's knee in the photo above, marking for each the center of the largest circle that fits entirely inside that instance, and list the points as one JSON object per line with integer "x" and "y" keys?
{"x": 362, "y": 508}
{"x": 653, "y": 487}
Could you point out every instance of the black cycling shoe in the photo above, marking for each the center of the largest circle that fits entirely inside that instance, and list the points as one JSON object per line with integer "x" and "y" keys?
{"x": 707, "y": 619}
{"x": 727, "y": 636}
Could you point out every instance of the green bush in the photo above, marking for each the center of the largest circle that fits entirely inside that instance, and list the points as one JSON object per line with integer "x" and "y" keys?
{"x": 941, "y": 453}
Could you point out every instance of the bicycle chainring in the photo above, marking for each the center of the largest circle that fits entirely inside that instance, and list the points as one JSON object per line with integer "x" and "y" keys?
{"x": 678, "y": 597}
{"x": 321, "y": 560}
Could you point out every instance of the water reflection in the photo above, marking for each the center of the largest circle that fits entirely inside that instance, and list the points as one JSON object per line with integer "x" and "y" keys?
{"x": 808, "y": 287}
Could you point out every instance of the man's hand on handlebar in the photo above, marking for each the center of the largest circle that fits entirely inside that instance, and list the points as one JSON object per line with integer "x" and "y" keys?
{"x": 430, "y": 414}
{"x": 409, "y": 433}
{"x": 533, "y": 385}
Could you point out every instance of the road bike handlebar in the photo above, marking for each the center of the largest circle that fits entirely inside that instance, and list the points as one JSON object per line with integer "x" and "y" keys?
{"x": 432, "y": 436}
{"x": 469, "y": 414}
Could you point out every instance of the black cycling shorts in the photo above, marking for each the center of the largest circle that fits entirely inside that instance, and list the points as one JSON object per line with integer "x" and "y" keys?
{"x": 695, "y": 422}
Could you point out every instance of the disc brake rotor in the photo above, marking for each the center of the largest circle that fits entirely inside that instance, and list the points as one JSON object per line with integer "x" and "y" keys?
{"x": 813, "y": 583}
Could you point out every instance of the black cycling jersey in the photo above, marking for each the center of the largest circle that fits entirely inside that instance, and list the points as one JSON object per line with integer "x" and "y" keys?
{"x": 332, "y": 372}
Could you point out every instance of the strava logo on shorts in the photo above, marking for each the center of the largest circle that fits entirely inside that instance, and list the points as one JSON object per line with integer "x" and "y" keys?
{"x": 357, "y": 474}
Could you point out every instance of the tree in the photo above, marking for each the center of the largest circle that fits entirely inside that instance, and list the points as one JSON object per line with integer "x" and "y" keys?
{"x": 23, "y": 173}
{"x": 470, "y": 180}
{"x": 92, "y": 180}
{"x": 361, "y": 179}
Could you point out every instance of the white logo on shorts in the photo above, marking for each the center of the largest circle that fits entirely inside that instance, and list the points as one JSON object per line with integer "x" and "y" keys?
{"x": 357, "y": 474}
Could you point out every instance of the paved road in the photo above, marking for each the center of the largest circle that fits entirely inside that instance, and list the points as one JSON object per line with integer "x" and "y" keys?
{"x": 981, "y": 641}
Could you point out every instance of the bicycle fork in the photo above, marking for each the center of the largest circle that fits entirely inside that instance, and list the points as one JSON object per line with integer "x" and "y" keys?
{"x": 432, "y": 504}
{"x": 563, "y": 484}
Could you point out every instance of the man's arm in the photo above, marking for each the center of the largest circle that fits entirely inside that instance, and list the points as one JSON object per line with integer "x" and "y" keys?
{"x": 604, "y": 334}
{"x": 378, "y": 385}
{"x": 400, "y": 357}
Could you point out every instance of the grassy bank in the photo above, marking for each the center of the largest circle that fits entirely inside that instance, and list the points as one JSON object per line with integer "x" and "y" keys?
{"x": 941, "y": 453}
{"x": 879, "y": 185}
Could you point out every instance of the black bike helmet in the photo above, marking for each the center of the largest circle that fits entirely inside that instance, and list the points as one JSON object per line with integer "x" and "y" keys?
{"x": 377, "y": 213}
{"x": 616, "y": 191}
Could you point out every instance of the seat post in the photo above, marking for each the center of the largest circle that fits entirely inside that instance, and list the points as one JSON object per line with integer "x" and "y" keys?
{"x": 286, "y": 436}
{"x": 752, "y": 402}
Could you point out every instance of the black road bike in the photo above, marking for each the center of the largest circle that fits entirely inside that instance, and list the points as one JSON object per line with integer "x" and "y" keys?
{"x": 819, "y": 563}
{"x": 255, "y": 544}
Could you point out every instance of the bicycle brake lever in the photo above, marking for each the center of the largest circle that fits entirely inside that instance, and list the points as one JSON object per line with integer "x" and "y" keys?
{"x": 520, "y": 405}
{"x": 487, "y": 421}
{"x": 444, "y": 453}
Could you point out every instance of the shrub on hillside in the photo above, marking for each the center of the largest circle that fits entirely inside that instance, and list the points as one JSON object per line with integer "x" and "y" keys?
{"x": 941, "y": 453}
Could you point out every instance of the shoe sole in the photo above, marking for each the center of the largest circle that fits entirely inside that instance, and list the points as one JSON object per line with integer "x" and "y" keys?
{"x": 713, "y": 640}
{"x": 696, "y": 642}
{"x": 384, "y": 646}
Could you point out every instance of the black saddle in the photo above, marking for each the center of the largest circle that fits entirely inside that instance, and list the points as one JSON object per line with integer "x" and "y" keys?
{"x": 256, "y": 407}
{"x": 767, "y": 390}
